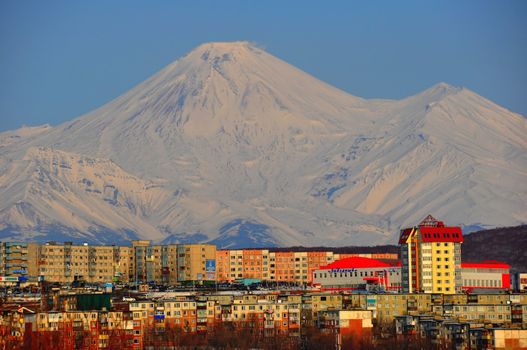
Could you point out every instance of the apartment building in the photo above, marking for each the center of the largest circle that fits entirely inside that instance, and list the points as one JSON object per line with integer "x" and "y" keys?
{"x": 344, "y": 323}
{"x": 324, "y": 301}
{"x": 154, "y": 263}
{"x": 301, "y": 272}
{"x": 235, "y": 264}
{"x": 66, "y": 263}
{"x": 284, "y": 267}
{"x": 223, "y": 266}
{"x": 317, "y": 259}
{"x": 142, "y": 260}
{"x": 431, "y": 257}
{"x": 253, "y": 263}
{"x": 123, "y": 263}
{"x": 196, "y": 262}
{"x": 18, "y": 259}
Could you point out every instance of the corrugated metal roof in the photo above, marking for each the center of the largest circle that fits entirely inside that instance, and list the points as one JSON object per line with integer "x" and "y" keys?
{"x": 487, "y": 264}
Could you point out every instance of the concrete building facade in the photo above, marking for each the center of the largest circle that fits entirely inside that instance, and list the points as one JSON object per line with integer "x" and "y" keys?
{"x": 486, "y": 275}
{"x": 17, "y": 259}
{"x": 196, "y": 262}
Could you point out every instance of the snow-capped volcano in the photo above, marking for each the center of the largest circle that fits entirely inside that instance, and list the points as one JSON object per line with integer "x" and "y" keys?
{"x": 243, "y": 147}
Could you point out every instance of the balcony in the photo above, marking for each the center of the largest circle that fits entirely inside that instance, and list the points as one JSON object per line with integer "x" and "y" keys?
{"x": 11, "y": 258}
{"x": 16, "y": 265}
{"x": 16, "y": 244}
{"x": 15, "y": 251}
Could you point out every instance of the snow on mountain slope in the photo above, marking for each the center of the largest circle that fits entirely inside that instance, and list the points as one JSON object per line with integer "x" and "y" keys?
{"x": 248, "y": 149}
{"x": 438, "y": 152}
{"x": 49, "y": 189}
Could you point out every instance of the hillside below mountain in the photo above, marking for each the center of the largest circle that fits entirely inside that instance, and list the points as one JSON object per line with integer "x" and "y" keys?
{"x": 508, "y": 244}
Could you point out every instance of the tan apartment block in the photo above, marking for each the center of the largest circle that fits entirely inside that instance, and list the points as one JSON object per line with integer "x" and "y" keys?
{"x": 196, "y": 262}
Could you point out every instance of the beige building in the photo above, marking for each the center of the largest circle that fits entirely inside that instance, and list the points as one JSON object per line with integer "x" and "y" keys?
{"x": 123, "y": 263}
{"x": 154, "y": 263}
{"x": 67, "y": 263}
{"x": 18, "y": 259}
{"x": 196, "y": 262}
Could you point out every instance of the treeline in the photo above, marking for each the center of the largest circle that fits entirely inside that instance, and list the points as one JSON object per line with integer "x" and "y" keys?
{"x": 507, "y": 244}
{"x": 228, "y": 336}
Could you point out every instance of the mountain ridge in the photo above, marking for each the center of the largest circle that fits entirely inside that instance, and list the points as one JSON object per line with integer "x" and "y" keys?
{"x": 254, "y": 147}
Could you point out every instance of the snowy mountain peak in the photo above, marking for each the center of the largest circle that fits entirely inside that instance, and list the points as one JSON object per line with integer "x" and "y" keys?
{"x": 216, "y": 50}
{"x": 436, "y": 93}
{"x": 230, "y": 144}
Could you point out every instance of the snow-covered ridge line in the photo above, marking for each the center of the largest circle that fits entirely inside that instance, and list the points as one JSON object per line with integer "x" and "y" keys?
{"x": 230, "y": 144}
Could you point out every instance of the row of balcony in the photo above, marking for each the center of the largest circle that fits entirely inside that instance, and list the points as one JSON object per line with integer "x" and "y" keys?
{"x": 16, "y": 244}
{"x": 11, "y": 258}
{"x": 16, "y": 265}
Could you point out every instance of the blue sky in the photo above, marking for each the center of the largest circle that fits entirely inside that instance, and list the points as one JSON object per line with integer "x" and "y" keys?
{"x": 60, "y": 59}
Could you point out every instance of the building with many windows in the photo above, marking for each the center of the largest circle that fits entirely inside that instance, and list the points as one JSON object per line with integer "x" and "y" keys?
{"x": 265, "y": 265}
{"x": 431, "y": 257}
{"x": 17, "y": 259}
{"x": 486, "y": 275}
{"x": 68, "y": 262}
{"x": 196, "y": 262}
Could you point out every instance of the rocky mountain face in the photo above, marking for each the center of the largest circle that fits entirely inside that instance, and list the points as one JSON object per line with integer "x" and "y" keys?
{"x": 231, "y": 145}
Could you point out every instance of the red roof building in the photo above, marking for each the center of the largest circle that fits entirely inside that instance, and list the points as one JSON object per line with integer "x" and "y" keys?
{"x": 355, "y": 263}
{"x": 431, "y": 257}
{"x": 358, "y": 273}
{"x": 489, "y": 274}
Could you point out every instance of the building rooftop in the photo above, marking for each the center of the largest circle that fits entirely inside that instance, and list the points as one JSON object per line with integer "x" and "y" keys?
{"x": 487, "y": 264}
{"x": 433, "y": 230}
{"x": 355, "y": 263}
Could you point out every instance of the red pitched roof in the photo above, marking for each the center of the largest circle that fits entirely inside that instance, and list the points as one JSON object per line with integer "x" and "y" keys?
{"x": 430, "y": 221}
{"x": 441, "y": 234}
{"x": 404, "y": 235}
{"x": 355, "y": 263}
{"x": 433, "y": 230}
{"x": 487, "y": 264}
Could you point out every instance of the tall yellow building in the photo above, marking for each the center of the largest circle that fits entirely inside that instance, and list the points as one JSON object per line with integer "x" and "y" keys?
{"x": 431, "y": 257}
